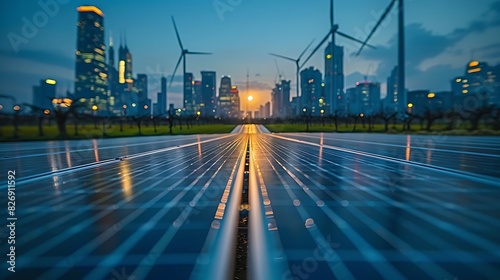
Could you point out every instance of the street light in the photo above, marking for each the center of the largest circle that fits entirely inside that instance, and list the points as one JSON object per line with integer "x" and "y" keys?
{"x": 94, "y": 108}
{"x": 17, "y": 108}
{"x": 46, "y": 112}
{"x": 146, "y": 107}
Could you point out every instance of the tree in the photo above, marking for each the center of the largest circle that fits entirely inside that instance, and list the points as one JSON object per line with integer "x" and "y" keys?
{"x": 386, "y": 118}
{"x": 62, "y": 111}
{"x": 431, "y": 117}
{"x": 478, "y": 114}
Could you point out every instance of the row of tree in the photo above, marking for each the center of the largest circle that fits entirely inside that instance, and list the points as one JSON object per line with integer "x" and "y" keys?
{"x": 470, "y": 119}
{"x": 66, "y": 116}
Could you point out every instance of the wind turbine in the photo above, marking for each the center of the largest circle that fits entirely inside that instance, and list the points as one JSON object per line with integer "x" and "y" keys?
{"x": 333, "y": 30}
{"x": 297, "y": 61}
{"x": 401, "y": 45}
{"x": 184, "y": 52}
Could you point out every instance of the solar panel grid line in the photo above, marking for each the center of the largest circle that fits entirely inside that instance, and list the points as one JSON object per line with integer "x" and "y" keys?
{"x": 103, "y": 268}
{"x": 464, "y": 174}
{"x": 59, "y": 239}
{"x": 414, "y": 151}
{"x": 392, "y": 239}
{"x": 383, "y": 266}
{"x": 490, "y": 271}
{"x": 75, "y": 197}
{"x": 111, "y": 209}
{"x": 169, "y": 232}
{"x": 412, "y": 193}
{"x": 216, "y": 260}
{"x": 429, "y": 147}
{"x": 485, "y": 246}
{"x": 337, "y": 267}
{"x": 36, "y": 177}
{"x": 383, "y": 168}
{"x": 263, "y": 260}
{"x": 28, "y": 151}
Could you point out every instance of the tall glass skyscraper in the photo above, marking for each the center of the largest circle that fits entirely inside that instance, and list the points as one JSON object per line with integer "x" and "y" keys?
{"x": 334, "y": 72}
{"x": 208, "y": 93}
{"x": 91, "y": 77}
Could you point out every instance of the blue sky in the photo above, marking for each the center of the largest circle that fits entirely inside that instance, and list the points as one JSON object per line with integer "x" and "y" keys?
{"x": 441, "y": 37}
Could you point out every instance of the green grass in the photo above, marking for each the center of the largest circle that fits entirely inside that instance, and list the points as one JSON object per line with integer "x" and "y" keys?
{"x": 30, "y": 133}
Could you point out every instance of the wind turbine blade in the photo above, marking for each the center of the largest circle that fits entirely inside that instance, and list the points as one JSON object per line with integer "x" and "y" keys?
{"x": 317, "y": 47}
{"x": 354, "y": 39}
{"x": 189, "y": 52}
{"x": 386, "y": 12}
{"x": 282, "y": 56}
{"x": 175, "y": 70}
{"x": 177, "y": 34}
{"x": 304, "y": 51}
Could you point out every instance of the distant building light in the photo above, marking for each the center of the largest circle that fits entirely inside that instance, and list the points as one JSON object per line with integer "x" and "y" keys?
{"x": 50, "y": 82}
{"x": 431, "y": 95}
{"x": 328, "y": 56}
{"x": 473, "y": 63}
{"x": 83, "y": 9}
{"x": 410, "y": 105}
{"x": 465, "y": 91}
{"x": 474, "y": 70}
{"x": 121, "y": 71}
{"x": 458, "y": 80}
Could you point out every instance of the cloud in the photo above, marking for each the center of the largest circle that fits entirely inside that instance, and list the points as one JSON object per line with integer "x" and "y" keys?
{"x": 42, "y": 56}
{"x": 429, "y": 56}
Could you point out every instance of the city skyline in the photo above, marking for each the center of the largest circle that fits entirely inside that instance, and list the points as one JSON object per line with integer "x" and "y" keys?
{"x": 46, "y": 57}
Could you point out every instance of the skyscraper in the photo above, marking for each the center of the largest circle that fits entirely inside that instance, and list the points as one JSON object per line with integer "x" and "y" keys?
{"x": 197, "y": 97}
{"x": 334, "y": 72}
{"x": 208, "y": 93}
{"x": 141, "y": 85}
{"x": 311, "y": 88}
{"x": 91, "y": 78}
{"x": 44, "y": 93}
{"x": 479, "y": 79}
{"x": 162, "y": 98}
{"x": 235, "y": 102}
{"x": 188, "y": 93}
{"x": 280, "y": 99}
{"x": 224, "y": 108}
{"x": 393, "y": 101}
{"x": 113, "y": 86}
{"x": 364, "y": 98}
